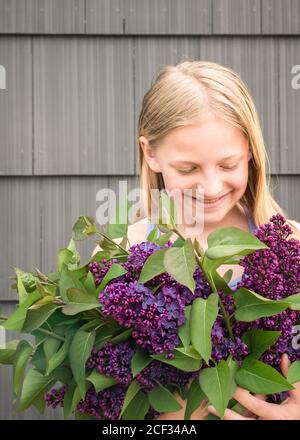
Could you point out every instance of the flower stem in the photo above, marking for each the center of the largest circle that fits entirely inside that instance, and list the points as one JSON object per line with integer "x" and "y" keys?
{"x": 214, "y": 289}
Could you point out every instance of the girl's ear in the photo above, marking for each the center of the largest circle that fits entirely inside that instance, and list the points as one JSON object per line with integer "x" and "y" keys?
{"x": 149, "y": 155}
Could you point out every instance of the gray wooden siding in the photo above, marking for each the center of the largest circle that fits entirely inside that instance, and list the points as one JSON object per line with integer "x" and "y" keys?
{"x": 76, "y": 73}
{"x": 16, "y": 106}
{"x": 42, "y": 16}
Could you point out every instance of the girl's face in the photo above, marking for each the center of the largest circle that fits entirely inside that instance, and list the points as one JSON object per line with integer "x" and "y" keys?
{"x": 213, "y": 155}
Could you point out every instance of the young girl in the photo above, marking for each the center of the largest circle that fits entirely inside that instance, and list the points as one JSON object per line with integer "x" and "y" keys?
{"x": 199, "y": 126}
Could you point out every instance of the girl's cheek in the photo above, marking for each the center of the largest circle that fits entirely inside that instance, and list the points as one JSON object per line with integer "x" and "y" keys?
{"x": 241, "y": 178}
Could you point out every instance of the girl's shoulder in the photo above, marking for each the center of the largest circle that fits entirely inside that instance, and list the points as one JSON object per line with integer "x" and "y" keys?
{"x": 295, "y": 224}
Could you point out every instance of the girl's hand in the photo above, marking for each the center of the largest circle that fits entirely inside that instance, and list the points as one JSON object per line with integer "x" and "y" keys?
{"x": 261, "y": 410}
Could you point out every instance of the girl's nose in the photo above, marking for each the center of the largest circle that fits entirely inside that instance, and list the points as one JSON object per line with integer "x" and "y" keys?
{"x": 210, "y": 188}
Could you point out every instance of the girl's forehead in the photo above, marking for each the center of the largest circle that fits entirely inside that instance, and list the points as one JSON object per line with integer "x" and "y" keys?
{"x": 213, "y": 131}
{"x": 189, "y": 142}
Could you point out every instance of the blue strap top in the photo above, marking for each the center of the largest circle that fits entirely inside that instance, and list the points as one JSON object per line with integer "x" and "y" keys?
{"x": 252, "y": 229}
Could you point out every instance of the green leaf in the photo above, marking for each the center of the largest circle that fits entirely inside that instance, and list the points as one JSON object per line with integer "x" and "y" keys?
{"x": 164, "y": 238}
{"x": 79, "y": 301}
{"x": 68, "y": 280}
{"x": 153, "y": 266}
{"x": 228, "y": 242}
{"x": 21, "y": 358}
{"x": 216, "y": 382}
{"x": 80, "y": 350}
{"x": 181, "y": 264}
{"x": 251, "y": 306}
{"x": 162, "y": 400}
{"x": 118, "y": 224}
{"x": 189, "y": 351}
{"x": 233, "y": 367}
{"x": 131, "y": 392}
{"x": 139, "y": 361}
{"x": 48, "y": 299}
{"x": 17, "y": 318}
{"x": 260, "y": 378}
{"x": 21, "y": 275}
{"x": 89, "y": 284}
{"x": 294, "y": 372}
{"x": 7, "y": 354}
{"x": 184, "y": 330}
{"x": 100, "y": 381}
{"x": 71, "y": 399}
{"x": 68, "y": 256}
{"x": 39, "y": 403}
{"x": 168, "y": 215}
{"x": 152, "y": 236}
{"x": 34, "y": 384}
{"x": 84, "y": 227}
{"x": 93, "y": 324}
{"x": 294, "y": 301}
{"x": 203, "y": 315}
{"x": 65, "y": 256}
{"x": 194, "y": 399}
{"x": 35, "y": 318}
{"x": 258, "y": 341}
{"x": 50, "y": 346}
{"x": 59, "y": 356}
{"x": 228, "y": 275}
{"x": 121, "y": 337}
{"x": 115, "y": 271}
{"x": 181, "y": 361}
{"x": 38, "y": 360}
{"x": 137, "y": 408}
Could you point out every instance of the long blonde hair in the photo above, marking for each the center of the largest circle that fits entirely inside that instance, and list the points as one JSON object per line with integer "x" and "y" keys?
{"x": 182, "y": 95}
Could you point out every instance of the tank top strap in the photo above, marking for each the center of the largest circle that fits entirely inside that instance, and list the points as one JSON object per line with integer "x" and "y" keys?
{"x": 251, "y": 224}
{"x": 150, "y": 228}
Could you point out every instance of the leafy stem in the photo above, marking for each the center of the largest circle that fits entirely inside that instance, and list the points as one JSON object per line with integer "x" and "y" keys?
{"x": 52, "y": 334}
{"x": 112, "y": 241}
{"x": 214, "y": 289}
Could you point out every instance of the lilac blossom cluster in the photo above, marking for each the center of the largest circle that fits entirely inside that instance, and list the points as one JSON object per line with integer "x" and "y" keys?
{"x": 55, "y": 397}
{"x": 275, "y": 274}
{"x": 156, "y": 315}
{"x": 115, "y": 361}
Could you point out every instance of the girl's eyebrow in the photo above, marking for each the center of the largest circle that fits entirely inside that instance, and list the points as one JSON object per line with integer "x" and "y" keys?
{"x": 178, "y": 162}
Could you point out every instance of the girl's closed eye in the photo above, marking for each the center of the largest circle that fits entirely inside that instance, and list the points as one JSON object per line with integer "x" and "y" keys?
{"x": 233, "y": 167}
{"x": 227, "y": 168}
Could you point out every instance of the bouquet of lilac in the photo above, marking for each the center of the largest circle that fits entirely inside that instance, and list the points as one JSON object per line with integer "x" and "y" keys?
{"x": 116, "y": 337}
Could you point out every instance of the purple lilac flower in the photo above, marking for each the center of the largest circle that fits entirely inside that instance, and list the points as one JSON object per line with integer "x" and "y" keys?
{"x": 154, "y": 316}
{"x": 104, "y": 404}
{"x": 138, "y": 254}
{"x": 55, "y": 397}
{"x": 107, "y": 404}
{"x": 114, "y": 361}
{"x": 164, "y": 374}
{"x": 275, "y": 274}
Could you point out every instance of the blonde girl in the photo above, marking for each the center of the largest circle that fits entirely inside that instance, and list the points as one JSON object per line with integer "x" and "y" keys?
{"x": 198, "y": 126}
